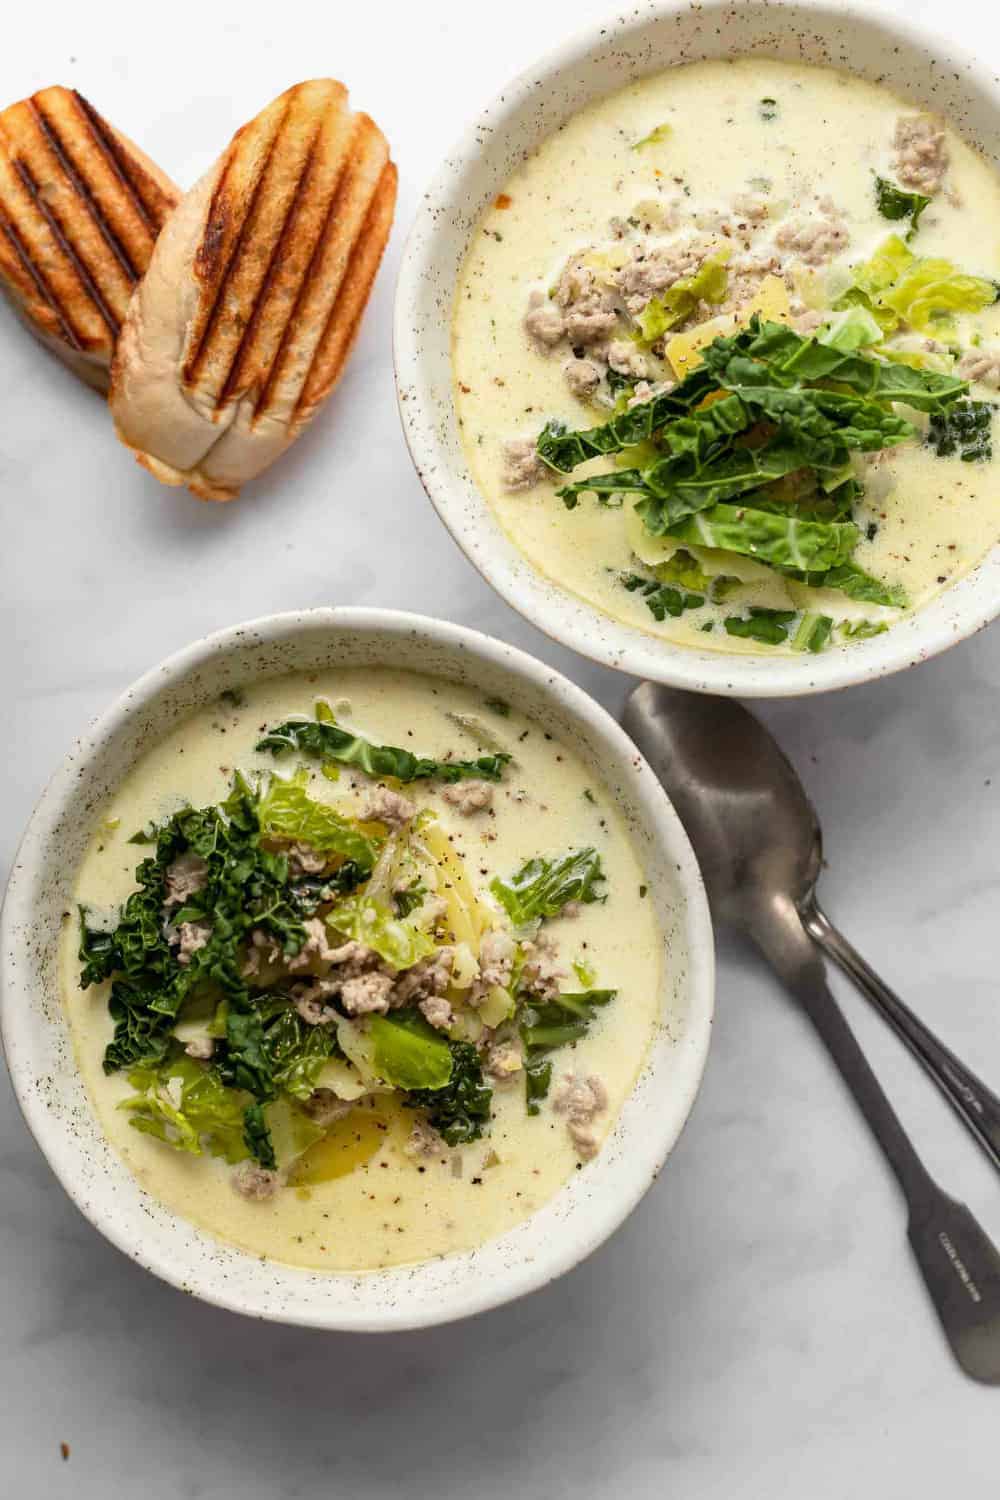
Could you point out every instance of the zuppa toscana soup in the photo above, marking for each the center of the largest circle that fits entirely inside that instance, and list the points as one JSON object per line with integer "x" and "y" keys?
{"x": 726, "y": 351}
{"x": 373, "y": 977}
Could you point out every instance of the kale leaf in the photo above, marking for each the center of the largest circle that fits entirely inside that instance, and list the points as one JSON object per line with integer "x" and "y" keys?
{"x": 767, "y": 626}
{"x": 564, "y": 450}
{"x": 661, "y": 599}
{"x": 542, "y": 887}
{"x": 853, "y": 581}
{"x": 554, "y": 1023}
{"x": 460, "y": 1112}
{"x": 257, "y": 1136}
{"x": 895, "y": 203}
{"x": 327, "y": 741}
{"x": 781, "y": 540}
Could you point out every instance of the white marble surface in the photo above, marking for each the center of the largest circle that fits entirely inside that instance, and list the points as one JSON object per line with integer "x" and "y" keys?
{"x": 757, "y": 1329}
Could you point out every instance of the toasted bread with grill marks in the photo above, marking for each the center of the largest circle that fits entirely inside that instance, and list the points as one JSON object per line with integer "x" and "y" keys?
{"x": 80, "y": 211}
{"x": 254, "y": 294}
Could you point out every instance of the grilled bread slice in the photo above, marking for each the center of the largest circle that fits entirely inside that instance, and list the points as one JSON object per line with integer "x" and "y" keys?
{"x": 80, "y": 211}
{"x": 253, "y": 297}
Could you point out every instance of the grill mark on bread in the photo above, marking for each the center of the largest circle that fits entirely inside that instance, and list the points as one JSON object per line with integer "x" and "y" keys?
{"x": 130, "y": 174}
{"x": 85, "y": 194}
{"x": 82, "y": 274}
{"x": 208, "y": 259}
{"x": 253, "y": 322}
{"x": 365, "y": 135}
{"x": 34, "y": 274}
{"x": 293, "y": 324}
{"x": 338, "y": 335}
{"x": 257, "y": 348}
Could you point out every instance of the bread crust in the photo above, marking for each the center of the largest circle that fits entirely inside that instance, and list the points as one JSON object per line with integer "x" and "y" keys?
{"x": 81, "y": 208}
{"x": 254, "y": 294}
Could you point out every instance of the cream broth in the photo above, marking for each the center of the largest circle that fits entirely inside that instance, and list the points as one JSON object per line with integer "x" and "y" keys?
{"x": 385, "y": 1207}
{"x": 930, "y": 518}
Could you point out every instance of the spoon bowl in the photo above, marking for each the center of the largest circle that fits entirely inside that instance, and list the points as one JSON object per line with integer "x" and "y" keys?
{"x": 755, "y": 831}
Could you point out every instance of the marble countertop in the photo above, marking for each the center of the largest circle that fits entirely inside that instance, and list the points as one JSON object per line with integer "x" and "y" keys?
{"x": 757, "y": 1329}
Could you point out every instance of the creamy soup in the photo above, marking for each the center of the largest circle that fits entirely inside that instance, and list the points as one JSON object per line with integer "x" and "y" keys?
{"x": 406, "y": 941}
{"x": 670, "y": 214}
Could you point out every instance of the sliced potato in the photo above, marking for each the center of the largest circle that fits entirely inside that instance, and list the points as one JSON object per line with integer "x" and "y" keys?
{"x": 455, "y": 890}
{"x": 771, "y": 302}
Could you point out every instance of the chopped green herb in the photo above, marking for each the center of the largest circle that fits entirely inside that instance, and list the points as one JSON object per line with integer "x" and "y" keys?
{"x": 537, "y": 1080}
{"x": 498, "y": 706}
{"x": 861, "y": 630}
{"x": 656, "y": 137}
{"x": 895, "y": 203}
{"x": 584, "y": 973}
{"x": 768, "y": 109}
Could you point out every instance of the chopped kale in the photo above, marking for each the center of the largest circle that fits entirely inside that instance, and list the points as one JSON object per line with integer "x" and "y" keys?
{"x": 547, "y": 1025}
{"x": 460, "y": 1112}
{"x": 245, "y": 886}
{"x": 768, "y": 626}
{"x": 661, "y": 600}
{"x": 965, "y": 430}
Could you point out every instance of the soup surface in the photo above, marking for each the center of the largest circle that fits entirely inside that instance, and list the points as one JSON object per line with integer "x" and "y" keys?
{"x": 669, "y": 214}
{"x": 362, "y": 1178}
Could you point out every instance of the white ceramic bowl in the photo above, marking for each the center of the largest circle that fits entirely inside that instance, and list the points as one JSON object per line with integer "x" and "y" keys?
{"x": 40, "y": 1056}
{"x": 651, "y": 36}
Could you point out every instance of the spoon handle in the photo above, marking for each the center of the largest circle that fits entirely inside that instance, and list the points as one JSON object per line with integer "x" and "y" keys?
{"x": 976, "y": 1106}
{"x": 958, "y": 1261}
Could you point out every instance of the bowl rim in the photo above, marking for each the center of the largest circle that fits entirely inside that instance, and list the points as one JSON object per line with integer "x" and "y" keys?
{"x": 561, "y": 615}
{"x": 638, "y": 781}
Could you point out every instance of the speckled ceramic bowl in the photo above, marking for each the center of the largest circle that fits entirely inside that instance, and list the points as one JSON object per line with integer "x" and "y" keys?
{"x": 40, "y": 1056}
{"x": 648, "y": 37}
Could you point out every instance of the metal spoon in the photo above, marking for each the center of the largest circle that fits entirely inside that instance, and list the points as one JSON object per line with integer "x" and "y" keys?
{"x": 758, "y": 842}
